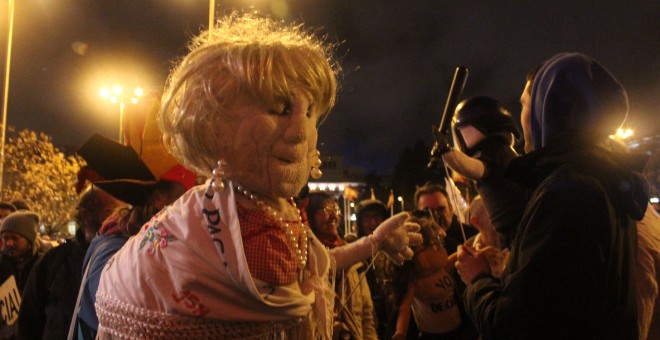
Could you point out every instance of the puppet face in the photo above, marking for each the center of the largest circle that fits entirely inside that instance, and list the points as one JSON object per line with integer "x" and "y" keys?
{"x": 268, "y": 150}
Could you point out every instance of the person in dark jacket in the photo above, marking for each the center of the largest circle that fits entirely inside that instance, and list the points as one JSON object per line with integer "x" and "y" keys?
{"x": 20, "y": 251}
{"x": 571, "y": 271}
{"x": 51, "y": 290}
{"x": 370, "y": 213}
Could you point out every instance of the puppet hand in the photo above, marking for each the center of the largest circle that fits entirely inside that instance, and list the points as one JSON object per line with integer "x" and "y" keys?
{"x": 442, "y": 142}
{"x": 395, "y": 236}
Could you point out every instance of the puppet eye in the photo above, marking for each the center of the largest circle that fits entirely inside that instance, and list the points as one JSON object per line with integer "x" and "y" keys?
{"x": 281, "y": 109}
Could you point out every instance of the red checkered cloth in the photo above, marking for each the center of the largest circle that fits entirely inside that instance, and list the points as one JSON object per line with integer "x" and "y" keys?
{"x": 267, "y": 250}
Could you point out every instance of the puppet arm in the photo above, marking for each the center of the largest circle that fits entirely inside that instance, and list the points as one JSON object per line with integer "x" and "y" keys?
{"x": 394, "y": 237}
{"x": 465, "y": 165}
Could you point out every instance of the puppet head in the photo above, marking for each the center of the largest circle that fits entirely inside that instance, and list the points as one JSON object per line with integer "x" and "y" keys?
{"x": 251, "y": 92}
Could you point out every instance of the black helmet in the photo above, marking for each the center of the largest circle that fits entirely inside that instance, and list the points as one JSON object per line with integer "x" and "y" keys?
{"x": 484, "y": 113}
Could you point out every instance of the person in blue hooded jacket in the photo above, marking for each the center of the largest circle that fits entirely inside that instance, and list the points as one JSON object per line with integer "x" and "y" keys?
{"x": 571, "y": 270}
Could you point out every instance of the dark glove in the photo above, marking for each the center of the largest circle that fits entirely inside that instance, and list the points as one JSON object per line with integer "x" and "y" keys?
{"x": 442, "y": 142}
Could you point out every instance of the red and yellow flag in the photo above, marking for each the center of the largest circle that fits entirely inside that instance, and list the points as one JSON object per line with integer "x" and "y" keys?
{"x": 350, "y": 194}
{"x": 390, "y": 200}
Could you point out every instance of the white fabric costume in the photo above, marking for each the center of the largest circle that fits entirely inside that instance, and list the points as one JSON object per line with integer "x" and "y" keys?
{"x": 185, "y": 275}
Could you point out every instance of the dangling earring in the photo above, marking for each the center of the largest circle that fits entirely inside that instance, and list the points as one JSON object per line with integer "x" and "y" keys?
{"x": 316, "y": 173}
{"x": 218, "y": 184}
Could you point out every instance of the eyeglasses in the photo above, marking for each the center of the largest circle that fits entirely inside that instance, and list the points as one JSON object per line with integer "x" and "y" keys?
{"x": 330, "y": 210}
{"x": 429, "y": 213}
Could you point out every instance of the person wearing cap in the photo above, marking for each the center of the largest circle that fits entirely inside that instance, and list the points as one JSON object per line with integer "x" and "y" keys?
{"x": 19, "y": 253}
{"x": 369, "y": 214}
{"x": 19, "y": 249}
{"x": 484, "y": 133}
{"x": 50, "y": 294}
{"x": 571, "y": 273}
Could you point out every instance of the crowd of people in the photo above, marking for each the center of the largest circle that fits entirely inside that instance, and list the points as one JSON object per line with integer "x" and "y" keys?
{"x": 561, "y": 242}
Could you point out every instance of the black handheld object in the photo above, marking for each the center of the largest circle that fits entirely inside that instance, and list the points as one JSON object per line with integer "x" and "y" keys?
{"x": 457, "y": 85}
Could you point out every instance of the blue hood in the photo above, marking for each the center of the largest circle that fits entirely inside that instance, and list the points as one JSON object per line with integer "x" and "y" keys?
{"x": 575, "y": 96}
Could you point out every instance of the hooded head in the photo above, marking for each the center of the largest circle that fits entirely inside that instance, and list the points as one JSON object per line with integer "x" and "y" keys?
{"x": 575, "y": 96}
{"x": 370, "y": 214}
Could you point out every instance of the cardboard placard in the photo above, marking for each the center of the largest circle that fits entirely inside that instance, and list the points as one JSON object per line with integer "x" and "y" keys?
{"x": 10, "y": 301}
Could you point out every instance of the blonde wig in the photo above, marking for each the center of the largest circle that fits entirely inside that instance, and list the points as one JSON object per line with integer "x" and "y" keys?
{"x": 245, "y": 56}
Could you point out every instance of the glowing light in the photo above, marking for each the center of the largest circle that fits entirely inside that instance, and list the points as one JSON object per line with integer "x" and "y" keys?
{"x": 312, "y": 186}
{"x": 622, "y": 134}
{"x": 654, "y": 200}
{"x": 115, "y": 97}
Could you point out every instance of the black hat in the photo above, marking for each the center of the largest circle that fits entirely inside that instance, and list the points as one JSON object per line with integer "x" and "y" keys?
{"x": 124, "y": 175}
{"x": 113, "y": 160}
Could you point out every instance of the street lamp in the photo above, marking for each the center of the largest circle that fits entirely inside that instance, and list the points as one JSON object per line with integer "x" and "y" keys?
{"x": 5, "y": 96}
{"x": 116, "y": 95}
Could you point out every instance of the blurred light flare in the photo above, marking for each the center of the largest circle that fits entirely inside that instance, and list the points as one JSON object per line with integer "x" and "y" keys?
{"x": 622, "y": 134}
{"x": 115, "y": 96}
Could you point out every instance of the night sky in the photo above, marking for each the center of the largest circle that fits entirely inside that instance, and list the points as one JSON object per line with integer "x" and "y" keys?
{"x": 398, "y": 59}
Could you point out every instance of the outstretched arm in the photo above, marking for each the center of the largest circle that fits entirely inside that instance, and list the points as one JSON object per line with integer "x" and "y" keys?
{"x": 394, "y": 237}
{"x": 465, "y": 165}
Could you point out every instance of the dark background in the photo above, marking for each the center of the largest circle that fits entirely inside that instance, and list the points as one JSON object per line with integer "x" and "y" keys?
{"x": 398, "y": 59}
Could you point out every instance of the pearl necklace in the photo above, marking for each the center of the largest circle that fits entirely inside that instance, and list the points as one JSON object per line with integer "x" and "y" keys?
{"x": 299, "y": 254}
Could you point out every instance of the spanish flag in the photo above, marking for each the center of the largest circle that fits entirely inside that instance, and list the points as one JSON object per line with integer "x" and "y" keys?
{"x": 390, "y": 200}
{"x": 350, "y": 194}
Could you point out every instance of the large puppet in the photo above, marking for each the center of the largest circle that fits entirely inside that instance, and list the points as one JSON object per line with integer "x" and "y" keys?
{"x": 232, "y": 258}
